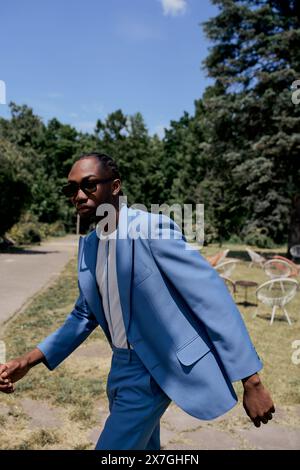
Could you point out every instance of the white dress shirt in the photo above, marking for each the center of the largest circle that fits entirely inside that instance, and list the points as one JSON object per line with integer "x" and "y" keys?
{"x": 106, "y": 275}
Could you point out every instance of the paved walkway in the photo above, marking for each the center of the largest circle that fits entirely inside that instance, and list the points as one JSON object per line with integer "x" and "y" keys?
{"x": 179, "y": 431}
{"x": 234, "y": 430}
{"x": 24, "y": 273}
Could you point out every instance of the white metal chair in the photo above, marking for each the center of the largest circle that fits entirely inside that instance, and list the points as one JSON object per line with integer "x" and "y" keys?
{"x": 256, "y": 259}
{"x": 226, "y": 268}
{"x": 277, "y": 293}
{"x": 276, "y": 268}
{"x": 217, "y": 258}
{"x": 295, "y": 252}
{"x": 230, "y": 285}
{"x": 294, "y": 267}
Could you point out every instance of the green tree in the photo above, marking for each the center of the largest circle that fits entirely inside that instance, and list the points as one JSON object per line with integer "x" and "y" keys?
{"x": 61, "y": 143}
{"x": 126, "y": 139}
{"x": 253, "y": 126}
{"x": 29, "y": 136}
{"x": 13, "y": 184}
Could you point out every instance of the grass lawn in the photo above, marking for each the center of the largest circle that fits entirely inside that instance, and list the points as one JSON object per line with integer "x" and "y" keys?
{"x": 74, "y": 394}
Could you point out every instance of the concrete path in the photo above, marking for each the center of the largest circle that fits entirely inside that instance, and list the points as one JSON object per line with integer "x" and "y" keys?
{"x": 24, "y": 273}
{"x": 179, "y": 431}
{"x": 234, "y": 430}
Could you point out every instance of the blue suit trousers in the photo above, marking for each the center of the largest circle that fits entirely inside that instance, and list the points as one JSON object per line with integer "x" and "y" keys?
{"x": 136, "y": 404}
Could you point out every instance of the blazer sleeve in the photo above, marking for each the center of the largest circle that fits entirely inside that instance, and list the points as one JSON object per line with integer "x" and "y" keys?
{"x": 207, "y": 296}
{"x": 77, "y": 327}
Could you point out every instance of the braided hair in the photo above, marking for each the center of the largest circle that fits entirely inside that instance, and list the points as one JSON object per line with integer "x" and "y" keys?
{"x": 108, "y": 163}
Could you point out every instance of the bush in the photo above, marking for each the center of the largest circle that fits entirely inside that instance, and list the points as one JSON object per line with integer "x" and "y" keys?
{"x": 258, "y": 237}
{"x": 24, "y": 233}
{"x": 210, "y": 233}
{"x": 57, "y": 229}
{"x": 28, "y": 230}
{"x": 235, "y": 239}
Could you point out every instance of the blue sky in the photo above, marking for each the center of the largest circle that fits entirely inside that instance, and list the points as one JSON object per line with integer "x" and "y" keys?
{"x": 79, "y": 60}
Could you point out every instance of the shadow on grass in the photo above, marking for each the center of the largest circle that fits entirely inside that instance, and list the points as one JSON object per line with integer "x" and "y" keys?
{"x": 18, "y": 250}
{"x": 243, "y": 255}
{"x": 238, "y": 254}
{"x": 278, "y": 318}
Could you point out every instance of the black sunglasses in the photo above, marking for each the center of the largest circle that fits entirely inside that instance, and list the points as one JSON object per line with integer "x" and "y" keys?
{"x": 87, "y": 186}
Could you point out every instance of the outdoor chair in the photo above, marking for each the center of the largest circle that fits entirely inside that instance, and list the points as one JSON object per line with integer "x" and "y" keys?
{"x": 226, "y": 268}
{"x": 230, "y": 285}
{"x": 295, "y": 269}
{"x": 256, "y": 259}
{"x": 295, "y": 252}
{"x": 276, "y": 268}
{"x": 277, "y": 293}
{"x": 217, "y": 258}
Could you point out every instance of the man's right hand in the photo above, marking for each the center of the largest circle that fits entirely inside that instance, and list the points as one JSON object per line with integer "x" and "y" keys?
{"x": 11, "y": 372}
{"x": 6, "y": 385}
{"x": 15, "y": 369}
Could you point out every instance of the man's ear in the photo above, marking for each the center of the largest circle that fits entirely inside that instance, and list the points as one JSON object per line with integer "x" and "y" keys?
{"x": 116, "y": 186}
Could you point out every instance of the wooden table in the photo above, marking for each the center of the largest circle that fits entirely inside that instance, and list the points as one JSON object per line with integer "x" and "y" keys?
{"x": 246, "y": 284}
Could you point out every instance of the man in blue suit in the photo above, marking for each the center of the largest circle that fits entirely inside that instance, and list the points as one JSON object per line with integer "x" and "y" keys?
{"x": 174, "y": 330}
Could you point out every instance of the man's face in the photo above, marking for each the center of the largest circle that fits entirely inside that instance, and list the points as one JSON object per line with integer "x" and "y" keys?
{"x": 90, "y": 169}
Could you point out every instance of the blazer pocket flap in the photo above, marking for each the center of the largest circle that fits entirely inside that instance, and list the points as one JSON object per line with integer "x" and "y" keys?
{"x": 192, "y": 351}
{"x": 142, "y": 275}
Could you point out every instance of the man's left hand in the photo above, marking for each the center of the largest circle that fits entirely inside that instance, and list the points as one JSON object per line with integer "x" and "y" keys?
{"x": 257, "y": 401}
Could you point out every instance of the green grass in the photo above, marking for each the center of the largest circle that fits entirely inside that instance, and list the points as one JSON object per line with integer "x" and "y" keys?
{"x": 73, "y": 388}
{"x": 38, "y": 440}
{"x": 273, "y": 342}
{"x": 47, "y": 312}
{"x": 77, "y": 386}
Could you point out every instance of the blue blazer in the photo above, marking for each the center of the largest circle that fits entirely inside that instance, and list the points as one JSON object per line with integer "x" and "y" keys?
{"x": 178, "y": 315}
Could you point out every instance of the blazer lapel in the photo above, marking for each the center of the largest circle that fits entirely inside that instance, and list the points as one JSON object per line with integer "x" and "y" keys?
{"x": 124, "y": 253}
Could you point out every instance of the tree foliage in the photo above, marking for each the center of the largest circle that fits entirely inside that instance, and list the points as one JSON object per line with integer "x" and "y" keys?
{"x": 238, "y": 153}
{"x": 255, "y": 133}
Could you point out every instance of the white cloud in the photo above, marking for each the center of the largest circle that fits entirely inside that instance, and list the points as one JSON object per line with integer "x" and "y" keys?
{"x": 173, "y": 7}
